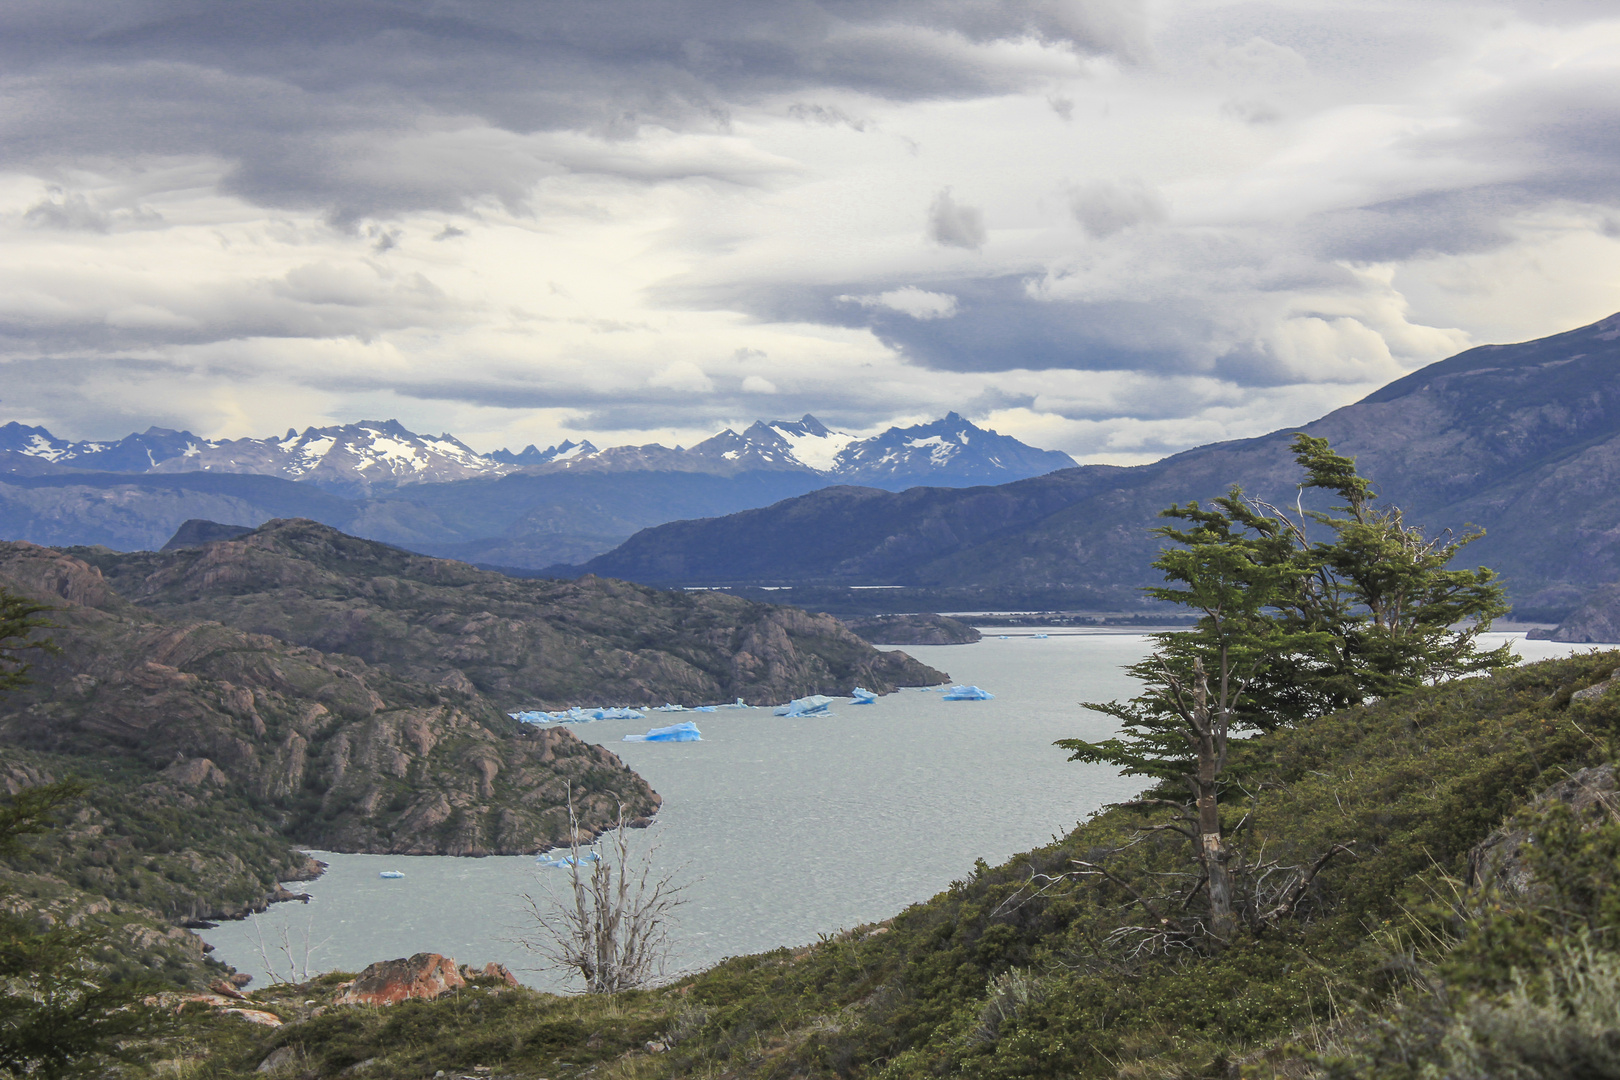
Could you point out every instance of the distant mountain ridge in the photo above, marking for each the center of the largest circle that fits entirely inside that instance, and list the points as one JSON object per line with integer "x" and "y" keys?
{"x": 357, "y": 458}
{"x": 1521, "y": 439}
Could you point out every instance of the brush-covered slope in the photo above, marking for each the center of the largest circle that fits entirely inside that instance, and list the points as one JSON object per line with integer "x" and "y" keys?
{"x": 1039, "y": 968}
{"x": 329, "y": 750}
{"x": 1523, "y": 440}
{"x": 521, "y": 642}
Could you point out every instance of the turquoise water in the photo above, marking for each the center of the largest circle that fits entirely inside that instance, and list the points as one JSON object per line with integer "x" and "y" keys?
{"x": 781, "y": 829}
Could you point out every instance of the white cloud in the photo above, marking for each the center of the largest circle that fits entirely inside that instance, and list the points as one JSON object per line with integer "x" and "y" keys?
{"x": 918, "y": 303}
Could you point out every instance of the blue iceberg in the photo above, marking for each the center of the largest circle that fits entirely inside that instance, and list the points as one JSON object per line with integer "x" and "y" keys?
{"x": 703, "y": 708}
{"x": 391, "y": 874}
{"x": 863, "y": 697}
{"x": 968, "y": 693}
{"x": 543, "y": 859}
{"x": 683, "y": 732}
{"x": 814, "y": 705}
{"x": 740, "y": 704}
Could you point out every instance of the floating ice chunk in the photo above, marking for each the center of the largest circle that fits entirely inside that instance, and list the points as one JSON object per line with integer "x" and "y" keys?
{"x": 863, "y": 697}
{"x": 618, "y": 714}
{"x": 1038, "y": 637}
{"x": 543, "y": 859}
{"x": 703, "y": 708}
{"x": 682, "y": 732}
{"x": 391, "y": 874}
{"x": 814, "y": 705}
{"x": 670, "y": 707}
{"x": 1003, "y": 637}
{"x": 738, "y": 704}
{"x": 968, "y": 693}
{"x": 531, "y": 716}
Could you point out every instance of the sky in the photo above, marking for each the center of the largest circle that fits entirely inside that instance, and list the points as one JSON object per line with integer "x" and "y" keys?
{"x": 1118, "y": 228}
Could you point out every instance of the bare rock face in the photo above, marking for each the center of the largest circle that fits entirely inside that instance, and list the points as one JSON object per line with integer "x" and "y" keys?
{"x": 1592, "y": 794}
{"x": 345, "y": 756}
{"x": 388, "y": 982}
{"x": 1596, "y": 621}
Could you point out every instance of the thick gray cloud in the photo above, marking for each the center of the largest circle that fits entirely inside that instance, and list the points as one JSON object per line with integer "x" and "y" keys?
{"x": 316, "y": 103}
{"x": 1106, "y": 207}
{"x": 955, "y": 225}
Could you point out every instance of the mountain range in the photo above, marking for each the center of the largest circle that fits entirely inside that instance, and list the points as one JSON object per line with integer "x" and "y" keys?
{"x": 1522, "y": 440}
{"x": 359, "y": 459}
{"x": 434, "y": 495}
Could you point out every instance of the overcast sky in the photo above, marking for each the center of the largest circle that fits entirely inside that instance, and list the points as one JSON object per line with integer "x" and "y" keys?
{"x": 1111, "y": 227}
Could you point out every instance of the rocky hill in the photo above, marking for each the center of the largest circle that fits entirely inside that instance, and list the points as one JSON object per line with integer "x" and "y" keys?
{"x": 336, "y": 753}
{"x": 521, "y": 643}
{"x": 1523, "y": 440}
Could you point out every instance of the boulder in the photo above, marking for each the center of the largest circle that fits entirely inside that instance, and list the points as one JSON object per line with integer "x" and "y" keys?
{"x": 1592, "y": 794}
{"x": 388, "y": 982}
{"x": 490, "y": 970}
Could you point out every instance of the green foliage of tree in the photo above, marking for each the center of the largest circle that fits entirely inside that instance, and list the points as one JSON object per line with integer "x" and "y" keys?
{"x": 1288, "y": 628}
{"x": 62, "y": 1012}
{"x": 19, "y": 618}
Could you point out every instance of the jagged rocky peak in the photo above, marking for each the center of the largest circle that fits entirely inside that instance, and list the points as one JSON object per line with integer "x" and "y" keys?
{"x": 354, "y": 458}
{"x": 567, "y": 450}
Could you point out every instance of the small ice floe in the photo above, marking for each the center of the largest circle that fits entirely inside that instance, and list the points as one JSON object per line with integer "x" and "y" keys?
{"x": 703, "y": 708}
{"x": 968, "y": 693}
{"x": 863, "y": 697}
{"x": 670, "y": 707}
{"x": 1039, "y": 637}
{"x": 390, "y": 874}
{"x": 814, "y": 705}
{"x": 564, "y": 861}
{"x": 1003, "y": 637}
{"x": 682, "y": 732}
{"x": 738, "y": 704}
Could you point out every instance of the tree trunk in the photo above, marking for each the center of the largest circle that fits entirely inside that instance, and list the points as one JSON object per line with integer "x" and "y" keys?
{"x": 1212, "y": 849}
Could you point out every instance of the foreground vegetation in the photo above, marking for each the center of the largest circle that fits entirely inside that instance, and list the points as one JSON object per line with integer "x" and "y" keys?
{"x": 1393, "y": 965}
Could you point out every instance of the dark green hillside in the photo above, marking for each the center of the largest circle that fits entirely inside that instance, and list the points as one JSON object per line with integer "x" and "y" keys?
{"x": 521, "y": 642}
{"x": 1027, "y": 970}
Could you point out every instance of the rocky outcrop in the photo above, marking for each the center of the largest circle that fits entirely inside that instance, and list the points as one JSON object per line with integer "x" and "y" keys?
{"x": 388, "y": 982}
{"x": 1596, "y": 621}
{"x": 520, "y": 643}
{"x": 1592, "y": 796}
{"x": 345, "y": 756}
{"x": 912, "y": 630}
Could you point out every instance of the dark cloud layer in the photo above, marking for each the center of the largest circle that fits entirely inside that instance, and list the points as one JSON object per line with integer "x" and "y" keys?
{"x": 315, "y": 103}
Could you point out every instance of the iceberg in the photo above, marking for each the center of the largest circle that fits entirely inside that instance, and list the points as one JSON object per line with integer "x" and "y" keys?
{"x": 863, "y": 697}
{"x": 670, "y": 707}
{"x": 682, "y": 732}
{"x": 564, "y": 861}
{"x": 391, "y": 874}
{"x": 814, "y": 705}
{"x": 703, "y": 708}
{"x": 618, "y": 714}
{"x": 1040, "y": 637}
{"x": 968, "y": 693}
{"x": 739, "y": 704}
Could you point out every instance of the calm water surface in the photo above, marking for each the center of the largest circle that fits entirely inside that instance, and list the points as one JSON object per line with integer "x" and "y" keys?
{"x": 782, "y": 829}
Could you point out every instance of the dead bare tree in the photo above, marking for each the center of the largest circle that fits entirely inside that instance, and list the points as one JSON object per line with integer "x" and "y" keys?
{"x": 611, "y": 927}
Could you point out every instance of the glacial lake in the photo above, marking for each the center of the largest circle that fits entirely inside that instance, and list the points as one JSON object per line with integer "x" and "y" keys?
{"x": 782, "y": 830}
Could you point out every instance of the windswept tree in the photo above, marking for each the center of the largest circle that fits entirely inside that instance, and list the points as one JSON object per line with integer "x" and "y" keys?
{"x": 19, "y": 618}
{"x": 1288, "y": 627}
